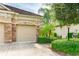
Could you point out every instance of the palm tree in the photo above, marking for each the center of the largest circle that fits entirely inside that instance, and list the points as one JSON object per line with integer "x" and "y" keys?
{"x": 47, "y": 27}
{"x": 46, "y": 14}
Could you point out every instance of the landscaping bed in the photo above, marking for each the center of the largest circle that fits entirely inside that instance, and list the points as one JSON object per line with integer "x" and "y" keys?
{"x": 70, "y": 47}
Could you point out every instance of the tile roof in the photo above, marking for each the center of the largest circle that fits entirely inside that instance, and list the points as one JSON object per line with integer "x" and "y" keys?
{"x": 20, "y": 11}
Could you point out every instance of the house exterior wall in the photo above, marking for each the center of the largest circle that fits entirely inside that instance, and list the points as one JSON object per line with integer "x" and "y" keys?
{"x": 11, "y": 20}
{"x": 13, "y": 32}
{"x": 63, "y": 31}
{"x": 8, "y": 33}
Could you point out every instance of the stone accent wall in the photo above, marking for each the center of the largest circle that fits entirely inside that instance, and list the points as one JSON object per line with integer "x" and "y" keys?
{"x": 37, "y": 32}
{"x": 8, "y": 33}
{"x": 10, "y": 28}
{"x": 14, "y": 32}
{"x": 13, "y": 29}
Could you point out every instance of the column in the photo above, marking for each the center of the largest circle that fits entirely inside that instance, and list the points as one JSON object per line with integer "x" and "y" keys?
{"x": 8, "y": 33}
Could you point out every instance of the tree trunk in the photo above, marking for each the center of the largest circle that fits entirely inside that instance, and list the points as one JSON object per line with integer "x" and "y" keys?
{"x": 46, "y": 35}
{"x": 68, "y": 33}
{"x": 61, "y": 30}
{"x": 49, "y": 33}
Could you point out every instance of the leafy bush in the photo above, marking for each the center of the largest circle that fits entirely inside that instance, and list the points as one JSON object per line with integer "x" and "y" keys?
{"x": 46, "y": 30}
{"x": 55, "y": 34}
{"x": 44, "y": 40}
{"x": 68, "y": 47}
{"x": 78, "y": 35}
{"x": 70, "y": 35}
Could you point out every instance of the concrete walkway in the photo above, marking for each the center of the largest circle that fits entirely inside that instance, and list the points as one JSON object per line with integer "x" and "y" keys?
{"x": 25, "y": 49}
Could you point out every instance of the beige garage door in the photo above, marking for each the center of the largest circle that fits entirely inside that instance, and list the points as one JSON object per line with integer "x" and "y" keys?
{"x": 1, "y": 33}
{"x": 26, "y": 34}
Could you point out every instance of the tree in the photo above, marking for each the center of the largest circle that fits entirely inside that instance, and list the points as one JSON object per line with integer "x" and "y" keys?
{"x": 66, "y": 13}
{"x": 47, "y": 27}
{"x": 45, "y": 30}
{"x": 46, "y": 14}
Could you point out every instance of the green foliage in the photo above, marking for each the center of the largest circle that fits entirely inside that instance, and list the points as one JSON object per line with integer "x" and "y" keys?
{"x": 43, "y": 40}
{"x": 78, "y": 35}
{"x": 68, "y": 47}
{"x": 70, "y": 35}
{"x": 47, "y": 16}
{"x": 66, "y": 13}
{"x": 55, "y": 34}
{"x": 46, "y": 28}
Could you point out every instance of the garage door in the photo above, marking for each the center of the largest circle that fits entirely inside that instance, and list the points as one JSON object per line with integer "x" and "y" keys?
{"x": 25, "y": 33}
{"x": 1, "y": 33}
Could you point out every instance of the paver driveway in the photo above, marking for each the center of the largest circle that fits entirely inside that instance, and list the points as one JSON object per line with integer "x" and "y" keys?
{"x": 25, "y": 49}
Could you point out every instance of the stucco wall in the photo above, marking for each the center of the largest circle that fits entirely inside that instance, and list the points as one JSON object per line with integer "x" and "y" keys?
{"x": 63, "y": 31}
{"x": 10, "y": 20}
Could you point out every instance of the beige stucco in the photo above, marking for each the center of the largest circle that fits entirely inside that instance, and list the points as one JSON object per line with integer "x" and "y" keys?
{"x": 25, "y": 33}
{"x": 1, "y": 33}
{"x": 15, "y": 27}
{"x": 64, "y": 30}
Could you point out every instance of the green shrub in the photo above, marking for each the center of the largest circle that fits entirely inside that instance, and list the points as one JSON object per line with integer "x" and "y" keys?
{"x": 68, "y": 47}
{"x": 78, "y": 35}
{"x": 55, "y": 34}
{"x": 44, "y": 40}
{"x": 70, "y": 35}
{"x": 53, "y": 37}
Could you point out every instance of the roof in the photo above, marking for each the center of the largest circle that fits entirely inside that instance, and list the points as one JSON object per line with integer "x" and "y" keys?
{"x": 20, "y": 11}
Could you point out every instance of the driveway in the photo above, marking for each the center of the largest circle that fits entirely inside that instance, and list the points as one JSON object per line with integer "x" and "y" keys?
{"x": 25, "y": 49}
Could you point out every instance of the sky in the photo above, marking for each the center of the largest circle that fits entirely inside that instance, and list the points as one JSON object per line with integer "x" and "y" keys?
{"x": 32, "y": 7}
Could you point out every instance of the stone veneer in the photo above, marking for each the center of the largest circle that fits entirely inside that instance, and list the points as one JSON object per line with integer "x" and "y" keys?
{"x": 10, "y": 30}
{"x": 37, "y": 32}
{"x": 8, "y": 33}
{"x": 13, "y": 32}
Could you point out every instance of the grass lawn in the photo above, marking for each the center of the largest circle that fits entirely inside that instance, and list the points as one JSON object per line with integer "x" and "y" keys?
{"x": 70, "y": 47}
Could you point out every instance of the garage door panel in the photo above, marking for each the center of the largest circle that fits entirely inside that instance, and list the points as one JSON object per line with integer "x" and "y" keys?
{"x": 26, "y": 34}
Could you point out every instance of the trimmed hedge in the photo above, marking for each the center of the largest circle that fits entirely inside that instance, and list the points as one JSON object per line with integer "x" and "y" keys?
{"x": 55, "y": 34}
{"x": 68, "y": 47}
{"x": 44, "y": 40}
{"x": 78, "y": 35}
{"x": 70, "y": 35}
